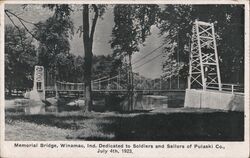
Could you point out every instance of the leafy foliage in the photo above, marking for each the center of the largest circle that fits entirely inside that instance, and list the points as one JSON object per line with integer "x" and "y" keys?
{"x": 20, "y": 58}
{"x": 102, "y": 66}
{"x": 54, "y": 35}
{"x": 171, "y": 66}
{"x": 71, "y": 68}
{"x": 60, "y": 10}
{"x": 132, "y": 26}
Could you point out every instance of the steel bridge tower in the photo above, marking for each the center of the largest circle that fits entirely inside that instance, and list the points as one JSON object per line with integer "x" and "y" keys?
{"x": 204, "y": 72}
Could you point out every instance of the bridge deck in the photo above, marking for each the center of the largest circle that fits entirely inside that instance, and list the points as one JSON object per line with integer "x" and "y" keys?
{"x": 121, "y": 90}
{"x": 80, "y": 93}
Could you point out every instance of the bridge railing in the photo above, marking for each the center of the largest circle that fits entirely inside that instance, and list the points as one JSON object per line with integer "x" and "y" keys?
{"x": 69, "y": 86}
{"x": 233, "y": 88}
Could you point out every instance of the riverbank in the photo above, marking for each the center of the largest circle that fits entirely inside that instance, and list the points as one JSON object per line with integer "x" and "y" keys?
{"x": 169, "y": 124}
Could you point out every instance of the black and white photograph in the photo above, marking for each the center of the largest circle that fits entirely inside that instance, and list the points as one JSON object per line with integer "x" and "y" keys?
{"x": 125, "y": 72}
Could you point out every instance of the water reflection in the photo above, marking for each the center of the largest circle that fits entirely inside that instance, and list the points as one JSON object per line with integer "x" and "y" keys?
{"x": 100, "y": 104}
{"x": 152, "y": 102}
{"x": 35, "y": 109}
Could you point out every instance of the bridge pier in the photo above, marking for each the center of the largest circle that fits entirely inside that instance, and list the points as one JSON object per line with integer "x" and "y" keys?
{"x": 214, "y": 100}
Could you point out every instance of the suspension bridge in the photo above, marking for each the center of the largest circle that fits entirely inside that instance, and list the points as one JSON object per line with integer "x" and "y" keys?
{"x": 112, "y": 85}
{"x": 204, "y": 81}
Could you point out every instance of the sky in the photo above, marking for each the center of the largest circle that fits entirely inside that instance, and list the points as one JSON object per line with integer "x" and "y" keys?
{"x": 101, "y": 45}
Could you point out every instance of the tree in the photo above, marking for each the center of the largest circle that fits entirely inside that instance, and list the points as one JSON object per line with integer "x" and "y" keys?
{"x": 70, "y": 67}
{"x": 176, "y": 24}
{"x": 61, "y": 15}
{"x": 53, "y": 36}
{"x": 78, "y": 69}
{"x": 102, "y": 66}
{"x": 132, "y": 26}
{"x": 20, "y": 58}
{"x": 88, "y": 36}
{"x": 65, "y": 65}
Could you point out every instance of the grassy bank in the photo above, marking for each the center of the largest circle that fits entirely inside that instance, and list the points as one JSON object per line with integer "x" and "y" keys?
{"x": 177, "y": 124}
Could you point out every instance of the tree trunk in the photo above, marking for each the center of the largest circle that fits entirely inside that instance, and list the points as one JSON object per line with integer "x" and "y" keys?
{"x": 131, "y": 84}
{"x": 87, "y": 58}
{"x": 10, "y": 89}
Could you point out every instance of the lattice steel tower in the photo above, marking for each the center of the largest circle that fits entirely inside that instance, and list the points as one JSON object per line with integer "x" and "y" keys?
{"x": 204, "y": 72}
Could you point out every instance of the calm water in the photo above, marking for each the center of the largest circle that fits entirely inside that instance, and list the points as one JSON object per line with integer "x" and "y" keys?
{"x": 101, "y": 104}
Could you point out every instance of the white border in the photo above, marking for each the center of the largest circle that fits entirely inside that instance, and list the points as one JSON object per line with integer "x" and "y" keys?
{"x": 233, "y": 149}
